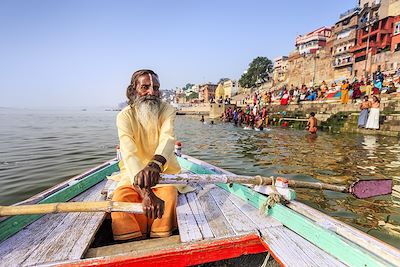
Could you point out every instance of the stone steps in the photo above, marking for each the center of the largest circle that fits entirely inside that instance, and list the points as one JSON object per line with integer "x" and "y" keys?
{"x": 372, "y": 132}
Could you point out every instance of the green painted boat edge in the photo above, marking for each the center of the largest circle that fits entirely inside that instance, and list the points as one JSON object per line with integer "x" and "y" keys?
{"x": 14, "y": 224}
{"x": 346, "y": 251}
{"x": 193, "y": 167}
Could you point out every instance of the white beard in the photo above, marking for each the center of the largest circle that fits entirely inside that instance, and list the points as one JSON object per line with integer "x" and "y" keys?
{"x": 148, "y": 111}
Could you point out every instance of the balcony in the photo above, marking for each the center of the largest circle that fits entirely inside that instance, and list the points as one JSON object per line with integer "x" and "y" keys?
{"x": 342, "y": 64}
{"x": 349, "y": 38}
{"x": 343, "y": 52}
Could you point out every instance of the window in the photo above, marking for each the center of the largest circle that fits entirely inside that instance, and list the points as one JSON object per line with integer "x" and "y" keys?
{"x": 397, "y": 28}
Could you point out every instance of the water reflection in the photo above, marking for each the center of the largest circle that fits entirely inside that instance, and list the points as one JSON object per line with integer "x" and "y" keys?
{"x": 41, "y": 149}
{"x": 337, "y": 159}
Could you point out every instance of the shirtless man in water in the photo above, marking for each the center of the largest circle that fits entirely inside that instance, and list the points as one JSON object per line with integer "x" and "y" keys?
{"x": 312, "y": 124}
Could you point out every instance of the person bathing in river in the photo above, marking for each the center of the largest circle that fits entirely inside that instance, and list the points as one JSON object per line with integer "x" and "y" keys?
{"x": 202, "y": 118}
{"x": 373, "y": 117}
{"x": 147, "y": 140}
{"x": 312, "y": 124}
{"x": 364, "y": 106}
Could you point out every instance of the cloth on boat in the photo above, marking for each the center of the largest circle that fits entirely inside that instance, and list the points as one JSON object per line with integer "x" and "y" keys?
{"x": 362, "y": 119}
{"x": 139, "y": 144}
{"x": 373, "y": 119}
{"x": 127, "y": 225}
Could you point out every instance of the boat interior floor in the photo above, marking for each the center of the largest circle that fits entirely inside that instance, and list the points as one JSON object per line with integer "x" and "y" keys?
{"x": 209, "y": 216}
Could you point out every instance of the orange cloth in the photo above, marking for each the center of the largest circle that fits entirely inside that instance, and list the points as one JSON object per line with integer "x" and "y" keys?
{"x": 313, "y": 130}
{"x": 345, "y": 93}
{"x": 127, "y": 226}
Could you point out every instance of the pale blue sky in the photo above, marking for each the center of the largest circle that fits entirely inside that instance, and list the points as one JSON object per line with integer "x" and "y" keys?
{"x": 82, "y": 53}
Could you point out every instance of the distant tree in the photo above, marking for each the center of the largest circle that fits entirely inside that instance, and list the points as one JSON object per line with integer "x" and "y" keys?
{"x": 187, "y": 86}
{"x": 222, "y": 80}
{"x": 192, "y": 95}
{"x": 258, "y": 71}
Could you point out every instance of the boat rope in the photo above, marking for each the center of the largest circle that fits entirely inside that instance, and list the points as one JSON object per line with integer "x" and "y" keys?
{"x": 272, "y": 199}
{"x": 264, "y": 180}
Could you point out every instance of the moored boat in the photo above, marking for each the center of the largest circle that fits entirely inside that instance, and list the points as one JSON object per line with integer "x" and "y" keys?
{"x": 216, "y": 222}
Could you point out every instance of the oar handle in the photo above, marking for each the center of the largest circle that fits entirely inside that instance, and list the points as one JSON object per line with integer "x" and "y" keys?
{"x": 98, "y": 206}
{"x": 242, "y": 179}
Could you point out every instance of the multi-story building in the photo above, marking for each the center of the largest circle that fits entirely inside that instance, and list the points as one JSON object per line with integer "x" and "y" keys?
{"x": 373, "y": 37}
{"x": 313, "y": 41}
{"x": 344, "y": 37}
{"x": 280, "y": 69}
{"x": 395, "y": 46}
{"x": 230, "y": 88}
{"x": 207, "y": 91}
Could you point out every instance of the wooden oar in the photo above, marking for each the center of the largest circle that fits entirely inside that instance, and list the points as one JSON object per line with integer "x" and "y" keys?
{"x": 359, "y": 189}
{"x": 98, "y": 206}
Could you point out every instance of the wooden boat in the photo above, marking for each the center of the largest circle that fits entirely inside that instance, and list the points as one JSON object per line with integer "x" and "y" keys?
{"x": 216, "y": 222}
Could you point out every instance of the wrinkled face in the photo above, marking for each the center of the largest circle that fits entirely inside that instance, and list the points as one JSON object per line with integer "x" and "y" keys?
{"x": 148, "y": 85}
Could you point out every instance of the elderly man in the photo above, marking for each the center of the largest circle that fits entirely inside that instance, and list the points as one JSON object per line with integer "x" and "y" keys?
{"x": 146, "y": 135}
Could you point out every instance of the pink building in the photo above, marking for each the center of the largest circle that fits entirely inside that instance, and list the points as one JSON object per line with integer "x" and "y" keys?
{"x": 313, "y": 41}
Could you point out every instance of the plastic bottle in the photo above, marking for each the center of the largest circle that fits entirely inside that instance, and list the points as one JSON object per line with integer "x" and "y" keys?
{"x": 119, "y": 155}
{"x": 178, "y": 148}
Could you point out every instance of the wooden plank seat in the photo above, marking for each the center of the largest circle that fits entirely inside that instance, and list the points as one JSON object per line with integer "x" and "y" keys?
{"x": 54, "y": 237}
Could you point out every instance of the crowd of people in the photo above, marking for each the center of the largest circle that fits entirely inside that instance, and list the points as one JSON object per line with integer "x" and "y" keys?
{"x": 251, "y": 117}
{"x": 347, "y": 90}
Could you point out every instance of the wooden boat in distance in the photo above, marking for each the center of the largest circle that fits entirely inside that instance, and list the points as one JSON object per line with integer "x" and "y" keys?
{"x": 216, "y": 222}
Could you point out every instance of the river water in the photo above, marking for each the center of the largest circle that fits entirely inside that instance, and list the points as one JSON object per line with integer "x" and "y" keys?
{"x": 40, "y": 148}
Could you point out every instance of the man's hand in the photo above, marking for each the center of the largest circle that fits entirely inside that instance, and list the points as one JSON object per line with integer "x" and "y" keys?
{"x": 153, "y": 206}
{"x": 148, "y": 177}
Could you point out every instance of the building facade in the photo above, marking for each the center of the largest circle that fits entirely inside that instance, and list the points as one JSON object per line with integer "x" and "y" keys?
{"x": 395, "y": 45}
{"x": 280, "y": 70}
{"x": 313, "y": 41}
{"x": 343, "y": 39}
{"x": 207, "y": 92}
{"x": 230, "y": 88}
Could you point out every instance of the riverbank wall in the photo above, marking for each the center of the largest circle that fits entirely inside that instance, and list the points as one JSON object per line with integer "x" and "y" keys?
{"x": 332, "y": 115}
{"x": 336, "y": 117}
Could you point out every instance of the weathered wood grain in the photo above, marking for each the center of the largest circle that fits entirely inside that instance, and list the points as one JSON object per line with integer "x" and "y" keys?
{"x": 343, "y": 249}
{"x": 219, "y": 225}
{"x": 370, "y": 243}
{"x": 13, "y": 224}
{"x": 253, "y": 214}
{"x": 54, "y": 237}
{"x": 239, "y": 221}
{"x": 293, "y": 250}
{"x": 188, "y": 228}
{"x": 199, "y": 215}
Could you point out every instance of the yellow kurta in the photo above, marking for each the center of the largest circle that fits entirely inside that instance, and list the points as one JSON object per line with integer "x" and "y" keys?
{"x": 138, "y": 146}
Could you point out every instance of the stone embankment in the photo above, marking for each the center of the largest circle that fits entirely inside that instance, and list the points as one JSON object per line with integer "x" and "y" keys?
{"x": 195, "y": 109}
{"x": 337, "y": 117}
{"x": 332, "y": 115}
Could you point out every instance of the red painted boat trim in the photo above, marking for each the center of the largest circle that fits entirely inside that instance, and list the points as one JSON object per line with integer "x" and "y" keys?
{"x": 186, "y": 254}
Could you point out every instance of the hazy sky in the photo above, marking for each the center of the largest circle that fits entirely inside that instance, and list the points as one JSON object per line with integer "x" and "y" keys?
{"x": 82, "y": 53}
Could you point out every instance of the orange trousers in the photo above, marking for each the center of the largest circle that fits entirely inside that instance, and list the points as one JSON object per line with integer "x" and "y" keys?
{"x": 127, "y": 225}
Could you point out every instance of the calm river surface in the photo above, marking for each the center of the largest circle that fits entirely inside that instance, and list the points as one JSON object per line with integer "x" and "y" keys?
{"x": 40, "y": 148}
